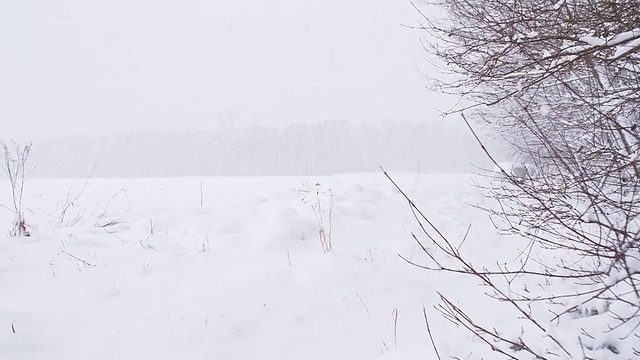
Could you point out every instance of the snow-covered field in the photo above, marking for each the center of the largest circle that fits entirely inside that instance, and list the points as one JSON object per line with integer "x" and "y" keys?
{"x": 233, "y": 268}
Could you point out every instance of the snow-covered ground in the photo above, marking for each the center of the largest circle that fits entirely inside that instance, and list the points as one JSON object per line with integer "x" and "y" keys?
{"x": 233, "y": 268}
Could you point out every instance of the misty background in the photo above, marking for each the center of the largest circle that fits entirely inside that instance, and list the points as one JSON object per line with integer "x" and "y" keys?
{"x": 193, "y": 87}
{"x": 325, "y": 148}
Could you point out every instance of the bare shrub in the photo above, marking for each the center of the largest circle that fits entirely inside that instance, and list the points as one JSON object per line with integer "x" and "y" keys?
{"x": 560, "y": 82}
{"x": 69, "y": 202}
{"x": 323, "y": 218}
{"x": 322, "y": 206}
{"x": 16, "y": 158}
{"x": 562, "y": 308}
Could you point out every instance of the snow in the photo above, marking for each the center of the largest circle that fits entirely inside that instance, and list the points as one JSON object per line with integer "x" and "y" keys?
{"x": 519, "y": 170}
{"x": 147, "y": 272}
{"x": 624, "y": 43}
{"x": 559, "y": 4}
{"x": 628, "y": 43}
{"x": 624, "y": 37}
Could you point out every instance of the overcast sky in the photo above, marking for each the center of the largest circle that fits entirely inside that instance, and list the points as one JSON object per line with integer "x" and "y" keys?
{"x": 116, "y": 65}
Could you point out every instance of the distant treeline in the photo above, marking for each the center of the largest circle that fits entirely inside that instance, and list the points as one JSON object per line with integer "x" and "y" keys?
{"x": 324, "y": 148}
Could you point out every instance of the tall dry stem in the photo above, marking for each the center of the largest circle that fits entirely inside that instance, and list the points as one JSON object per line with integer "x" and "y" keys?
{"x": 15, "y": 161}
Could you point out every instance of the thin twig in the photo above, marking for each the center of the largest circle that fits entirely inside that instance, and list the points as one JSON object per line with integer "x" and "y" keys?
{"x": 433, "y": 343}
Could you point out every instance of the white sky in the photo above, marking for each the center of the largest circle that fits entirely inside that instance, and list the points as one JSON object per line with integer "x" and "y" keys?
{"x": 69, "y": 66}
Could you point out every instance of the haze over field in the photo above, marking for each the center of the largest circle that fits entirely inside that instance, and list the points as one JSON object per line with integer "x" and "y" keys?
{"x": 95, "y": 83}
{"x": 325, "y": 148}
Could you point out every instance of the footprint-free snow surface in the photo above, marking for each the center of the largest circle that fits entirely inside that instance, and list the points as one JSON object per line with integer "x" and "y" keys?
{"x": 234, "y": 268}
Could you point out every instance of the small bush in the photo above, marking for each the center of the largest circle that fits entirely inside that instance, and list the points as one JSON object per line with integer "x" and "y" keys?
{"x": 15, "y": 161}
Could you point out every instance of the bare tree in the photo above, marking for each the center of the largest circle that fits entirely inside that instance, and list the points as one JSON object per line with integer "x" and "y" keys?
{"x": 559, "y": 80}
{"x": 15, "y": 160}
